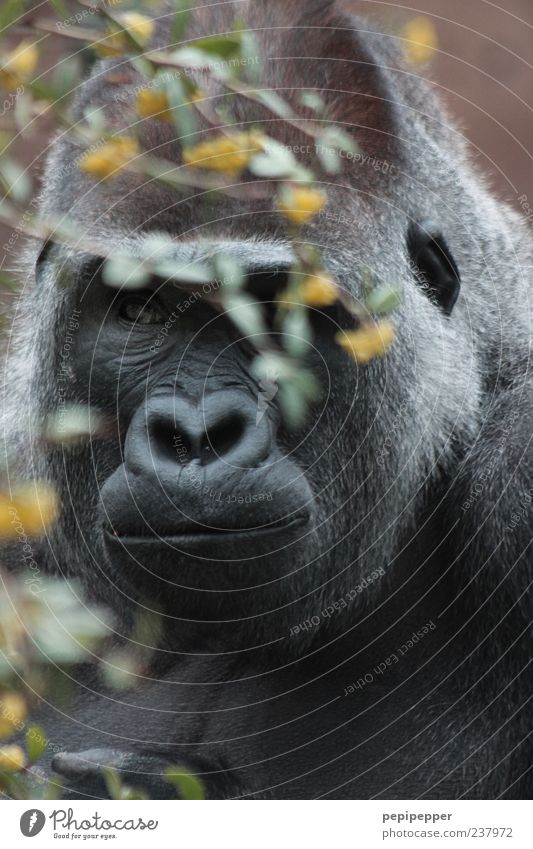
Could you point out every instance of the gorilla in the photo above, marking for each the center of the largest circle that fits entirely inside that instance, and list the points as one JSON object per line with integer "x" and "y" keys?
{"x": 344, "y": 607}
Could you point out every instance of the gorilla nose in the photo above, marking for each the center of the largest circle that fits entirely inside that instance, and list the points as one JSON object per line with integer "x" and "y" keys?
{"x": 220, "y": 433}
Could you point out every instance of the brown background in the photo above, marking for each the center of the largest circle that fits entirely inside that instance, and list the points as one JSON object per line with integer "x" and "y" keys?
{"x": 483, "y": 68}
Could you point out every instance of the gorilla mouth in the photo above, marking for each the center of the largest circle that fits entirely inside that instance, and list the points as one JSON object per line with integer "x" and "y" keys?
{"x": 198, "y": 533}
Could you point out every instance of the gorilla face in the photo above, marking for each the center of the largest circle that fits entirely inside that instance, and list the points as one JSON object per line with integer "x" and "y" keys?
{"x": 206, "y": 500}
{"x": 206, "y": 503}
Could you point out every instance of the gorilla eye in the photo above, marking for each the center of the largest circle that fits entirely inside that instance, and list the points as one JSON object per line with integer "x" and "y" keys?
{"x": 435, "y": 268}
{"x": 140, "y": 309}
{"x": 265, "y": 285}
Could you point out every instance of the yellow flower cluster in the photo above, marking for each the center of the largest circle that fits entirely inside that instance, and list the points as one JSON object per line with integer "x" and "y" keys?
{"x": 421, "y": 40}
{"x": 13, "y": 711}
{"x": 12, "y": 759}
{"x": 367, "y": 342}
{"x": 33, "y": 506}
{"x": 19, "y": 65}
{"x": 139, "y": 26}
{"x": 300, "y": 205}
{"x": 318, "y": 290}
{"x": 228, "y": 154}
{"x": 153, "y": 103}
{"x": 111, "y": 158}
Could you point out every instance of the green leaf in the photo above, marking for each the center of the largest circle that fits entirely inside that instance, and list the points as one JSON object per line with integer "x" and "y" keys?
{"x": 23, "y": 111}
{"x": 292, "y": 404}
{"x": 96, "y": 121}
{"x": 297, "y": 334}
{"x": 221, "y": 46}
{"x": 229, "y": 272}
{"x": 329, "y": 158}
{"x": 8, "y": 283}
{"x": 295, "y": 395}
{"x": 178, "y": 272}
{"x": 308, "y": 384}
{"x": 312, "y": 100}
{"x": 271, "y": 366}
{"x": 190, "y": 57}
{"x": 275, "y": 103}
{"x": 52, "y": 789}
{"x": 72, "y": 425}
{"x": 61, "y": 8}
{"x": 383, "y": 300}
{"x": 13, "y": 785}
{"x": 183, "y": 113}
{"x": 66, "y": 78}
{"x": 188, "y": 786}
{"x": 367, "y": 283}
{"x": 10, "y": 12}
{"x": 113, "y": 782}
{"x": 142, "y": 65}
{"x": 121, "y": 670}
{"x": 130, "y": 794}
{"x": 181, "y": 20}
{"x": 252, "y": 61}
{"x": 335, "y": 137}
{"x": 15, "y": 179}
{"x": 246, "y": 314}
{"x": 148, "y": 629}
{"x": 125, "y": 271}
{"x": 276, "y": 161}
{"x": 36, "y": 743}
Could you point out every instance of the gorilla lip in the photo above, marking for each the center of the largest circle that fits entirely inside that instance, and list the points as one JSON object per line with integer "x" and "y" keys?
{"x": 203, "y": 534}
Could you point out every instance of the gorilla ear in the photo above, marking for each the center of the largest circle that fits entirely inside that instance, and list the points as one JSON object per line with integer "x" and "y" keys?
{"x": 436, "y": 269}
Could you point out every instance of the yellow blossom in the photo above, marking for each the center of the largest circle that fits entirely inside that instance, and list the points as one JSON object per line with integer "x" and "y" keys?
{"x": 198, "y": 94}
{"x": 229, "y": 154}
{"x": 12, "y": 713}
{"x": 318, "y": 290}
{"x": 19, "y": 65}
{"x": 6, "y": 517}
{"x": 110, "y": 158}
{"x": 12, "y": 759}
{"x": 367, "y": 342}
{"x": 300, "y": 205}
{"x": 36, "y": 506}
{"x": 153, "y": 103}
{"x": 139, "y": 26}
{"x": 31, "y": 510}
{"x": 421, "y": 40}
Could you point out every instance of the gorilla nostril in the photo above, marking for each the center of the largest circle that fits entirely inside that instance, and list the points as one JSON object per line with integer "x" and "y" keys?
{"x": 170, "y": 442}
{"x": 175, "y": 432}
{"x": 181, "y": 442}
{"x": 221, "y": 438}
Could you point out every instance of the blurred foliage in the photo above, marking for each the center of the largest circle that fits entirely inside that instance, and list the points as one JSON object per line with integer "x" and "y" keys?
{"x": 45, "y": 630}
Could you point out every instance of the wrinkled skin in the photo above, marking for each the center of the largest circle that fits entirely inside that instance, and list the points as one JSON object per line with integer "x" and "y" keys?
{"x": 291, "y": 568}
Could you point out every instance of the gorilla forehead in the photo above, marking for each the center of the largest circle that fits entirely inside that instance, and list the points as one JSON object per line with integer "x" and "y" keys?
{"x": 320, "y": 49}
